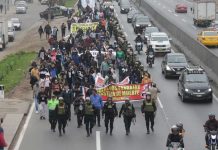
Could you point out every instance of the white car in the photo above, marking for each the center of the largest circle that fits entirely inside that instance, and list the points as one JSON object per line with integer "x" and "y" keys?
{"x": 20, "y": 9}
{"x": 160, "y": 42}
{"x": 148, "y": 31}
{"x": 11, "y": 32}
{"x": 16, "y": 23}
{"x": 22, "y": 3}
{"x": 44, "y": 2}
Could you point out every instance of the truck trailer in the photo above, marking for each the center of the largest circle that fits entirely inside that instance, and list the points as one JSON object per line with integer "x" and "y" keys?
{"x": 204, "y": 12}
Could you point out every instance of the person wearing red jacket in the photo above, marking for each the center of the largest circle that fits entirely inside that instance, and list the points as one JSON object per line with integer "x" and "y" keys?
{"x": 2, "y": 139}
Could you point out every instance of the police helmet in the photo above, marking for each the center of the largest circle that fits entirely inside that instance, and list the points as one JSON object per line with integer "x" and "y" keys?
{"x": 174, "y": 129}
{"x": 154, "y": 85}
{"x": 61, "y": 98}
{"x": 138, "y": 34}
{"x": 211, "y": 116}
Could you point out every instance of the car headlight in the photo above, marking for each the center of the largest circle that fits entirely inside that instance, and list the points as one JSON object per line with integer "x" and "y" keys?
{"x": 137, "y": 25}
{"x": 209, "y": 90}
{"x": 167, "y": 67}
{"x": 186, "y": 90}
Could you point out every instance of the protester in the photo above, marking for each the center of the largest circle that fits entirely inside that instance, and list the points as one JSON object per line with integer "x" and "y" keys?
{"x": 52, "y": 103}
{"x": 97, "y": 102}
{"x": 3, "y": 143}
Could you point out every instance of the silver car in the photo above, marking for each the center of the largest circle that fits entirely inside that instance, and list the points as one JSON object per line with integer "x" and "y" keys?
{"x": 148, "y": 31}
{"x": 16, "y": 23}
{"x": 20, "y": 9}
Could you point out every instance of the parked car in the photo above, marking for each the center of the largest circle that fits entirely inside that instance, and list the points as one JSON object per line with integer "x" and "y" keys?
{"x": 56, "y": 11}
{"x": 141, "y": 23}
{"x": 148, "y": 31}
{"x": 22, "y": 3}
{"x": 181, "y": 8}
{"x": 208, "y": 37}
{"x": 11, "y": 32}
{"x": 194, "y": 85}
{"x": 21, "y": 9}
{"x": 173, "y": 64}
{"x": 44, "y": 2}
{"x": 16, "y": 23}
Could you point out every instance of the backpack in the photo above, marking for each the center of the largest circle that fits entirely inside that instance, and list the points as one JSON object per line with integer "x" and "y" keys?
{"x": 61, "y": 110}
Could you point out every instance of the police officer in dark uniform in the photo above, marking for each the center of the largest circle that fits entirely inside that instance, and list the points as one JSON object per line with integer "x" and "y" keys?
{"x": 62, "y": 116}
{"x": 79, "y": 106}
{"x": 89, "y": 114}
{"x": 110, "y": 112}
{"x": 128, "y": 112}
{"x": 149, "y": 108}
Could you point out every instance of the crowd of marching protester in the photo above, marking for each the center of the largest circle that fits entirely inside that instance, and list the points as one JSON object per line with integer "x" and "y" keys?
{"x": 74, "y": 61}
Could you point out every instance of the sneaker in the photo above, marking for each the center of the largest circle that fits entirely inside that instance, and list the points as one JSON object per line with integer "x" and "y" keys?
{"x": 152, "y": 129}
{"x": 37, "y": 112}
{"x": 64, "y": 131}
{"x": 148, "y": 132}
{"x": 127, "y": 133}
{"x": 106, "y": 131}
{"x": 88, "y": 135}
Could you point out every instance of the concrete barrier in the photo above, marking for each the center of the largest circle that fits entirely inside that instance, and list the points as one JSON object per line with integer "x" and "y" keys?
{"x": 208, "y": 58}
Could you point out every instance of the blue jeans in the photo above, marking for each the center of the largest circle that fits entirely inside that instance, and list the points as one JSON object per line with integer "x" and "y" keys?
{"x": 36, "y": 104}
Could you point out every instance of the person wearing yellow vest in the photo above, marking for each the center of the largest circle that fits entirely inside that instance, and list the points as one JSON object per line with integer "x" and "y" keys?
{"x": 52, "y": 103}
{"x": 89, "y": 115}
{"x": 61, "y": 115}
{"x": 149, "y": 108}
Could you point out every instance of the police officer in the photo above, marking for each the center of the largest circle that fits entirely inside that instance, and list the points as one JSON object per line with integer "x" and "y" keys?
{"x": 110, "y": 112}
{"x": 52, "y": 103}
{"x": 128, "y": 112}
{"x": 149, "y": 108}
{"x": 79, "y": 106}
{"x": 89, "y": 114}
{"x": 62, "y": 116}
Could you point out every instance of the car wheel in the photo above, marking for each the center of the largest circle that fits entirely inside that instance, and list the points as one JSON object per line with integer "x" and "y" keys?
{"x": 165, "y": 75}
{"x": 210, "y": 100}
{"x": 183, "y": 98}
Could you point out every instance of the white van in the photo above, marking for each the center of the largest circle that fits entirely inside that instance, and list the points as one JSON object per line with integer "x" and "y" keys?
{"x": 11, "y": 31}
{"x": 160, "y": 42}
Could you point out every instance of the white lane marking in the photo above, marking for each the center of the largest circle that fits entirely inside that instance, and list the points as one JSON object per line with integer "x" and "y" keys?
{"x": 125, "y": 34}
{"x": 23, "y": 130}
{"x": 194, "y": 27}
{"x": 214, "y": 97}
{"x": 98, "y": 140}
{"x": 170, "y": 10}
{"x": 159, "y": 102}
{"x": 183, "y": 20}
{"x": 176, "y": 15}
{"x": 164, "y": 113}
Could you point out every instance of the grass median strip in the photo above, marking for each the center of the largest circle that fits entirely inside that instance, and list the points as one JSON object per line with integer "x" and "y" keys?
{"x": 70, "y": 3}
{"x": 13, "y": 69}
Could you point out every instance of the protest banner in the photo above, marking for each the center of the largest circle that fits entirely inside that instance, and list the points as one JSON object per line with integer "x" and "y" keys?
{"x": 99, "y": 81}
{"x": 120, "y": 92}
{"x": 84, "y": 26}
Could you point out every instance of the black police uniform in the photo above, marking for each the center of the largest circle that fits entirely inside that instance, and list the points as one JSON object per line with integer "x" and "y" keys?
{"x": 89, "y": 117}
{"x": 128, "y": 112}
{"x": 62, "y": 116}
{"x": 110, "y": 112}
{"x": 79, "y": 106}
{"x": 149, "y": 108}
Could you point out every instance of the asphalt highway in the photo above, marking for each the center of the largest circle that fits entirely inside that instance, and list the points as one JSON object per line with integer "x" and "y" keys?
{"x": 170, "y": 111}
{"x": 182, "y": 20}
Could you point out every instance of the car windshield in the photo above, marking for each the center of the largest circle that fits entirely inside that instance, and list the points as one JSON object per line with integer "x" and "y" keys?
{"x": 159, "y": 38}
{"x": 20, "y": 5}
{"x": 142, "y": 19}
{"x": 15, "y": 20}
{"x": 210, "y": 34}
{"x": 150, "y": 30}
{"x": 200, "y": 78}
{"x": 176, "y": 59}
